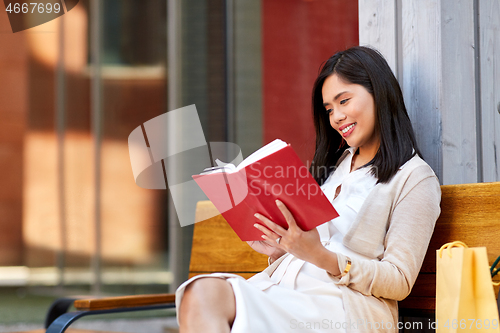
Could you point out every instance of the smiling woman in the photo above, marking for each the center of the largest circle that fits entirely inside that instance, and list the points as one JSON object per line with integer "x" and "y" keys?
{"x": 352, "y": 114}
{"x": 350, "y": 271}
{"x": 357, "y": 87}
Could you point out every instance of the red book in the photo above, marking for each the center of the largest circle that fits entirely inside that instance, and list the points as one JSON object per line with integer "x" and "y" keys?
{"x": 273, "y": 172}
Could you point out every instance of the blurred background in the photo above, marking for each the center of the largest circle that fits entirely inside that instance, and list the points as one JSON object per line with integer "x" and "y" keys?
{"x": 72, "y": 219}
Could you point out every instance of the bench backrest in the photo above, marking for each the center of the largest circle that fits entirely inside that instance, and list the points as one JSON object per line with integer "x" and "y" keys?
{"x": 469, "y": 212}
{"x": 217, "y": 248}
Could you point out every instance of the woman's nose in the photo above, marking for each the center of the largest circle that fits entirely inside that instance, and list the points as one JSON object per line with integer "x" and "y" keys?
{"x": 337, "y": 117}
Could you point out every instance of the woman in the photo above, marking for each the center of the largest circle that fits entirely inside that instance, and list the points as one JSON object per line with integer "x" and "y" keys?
{"x": 348, "y": 274}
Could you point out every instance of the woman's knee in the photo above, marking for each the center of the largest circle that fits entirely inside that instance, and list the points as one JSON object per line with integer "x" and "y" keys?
{"x": 208, "y": 298}
{"x": 210, "y": 289}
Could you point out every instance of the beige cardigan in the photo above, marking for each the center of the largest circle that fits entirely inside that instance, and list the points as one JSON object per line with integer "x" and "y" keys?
{"x": 393, "y": 227}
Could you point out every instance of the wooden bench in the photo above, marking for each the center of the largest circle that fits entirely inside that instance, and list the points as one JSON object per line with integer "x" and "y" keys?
{"x": 469, "y": 212}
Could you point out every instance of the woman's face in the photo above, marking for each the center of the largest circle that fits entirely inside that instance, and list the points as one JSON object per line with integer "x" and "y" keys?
{"x": 352, "y": 112}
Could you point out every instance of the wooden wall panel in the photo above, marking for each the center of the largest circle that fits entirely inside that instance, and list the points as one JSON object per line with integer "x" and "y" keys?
{"x": 458, "y": 99}
{"x": 377, "y": 27}
{"x": 489, "y": 47}
{"x": 421, "y": 84}
{"x": 447, "y": 59}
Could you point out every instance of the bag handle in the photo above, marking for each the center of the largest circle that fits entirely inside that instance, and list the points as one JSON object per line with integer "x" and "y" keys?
{"x": 449, "y": 246}
{"x": 494, "y": 271}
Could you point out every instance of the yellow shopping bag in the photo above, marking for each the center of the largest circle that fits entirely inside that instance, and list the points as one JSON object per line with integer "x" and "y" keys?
{"x": 465, "y": 299}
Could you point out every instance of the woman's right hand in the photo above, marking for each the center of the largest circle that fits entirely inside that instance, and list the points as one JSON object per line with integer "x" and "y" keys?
{"x": 268, "y": 249}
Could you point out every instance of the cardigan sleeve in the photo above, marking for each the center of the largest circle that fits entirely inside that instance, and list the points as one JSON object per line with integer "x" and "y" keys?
{"x": 410, "y": 229}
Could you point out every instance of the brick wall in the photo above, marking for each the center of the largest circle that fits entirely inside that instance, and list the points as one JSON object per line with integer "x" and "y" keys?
{"x": 13, "y": 110}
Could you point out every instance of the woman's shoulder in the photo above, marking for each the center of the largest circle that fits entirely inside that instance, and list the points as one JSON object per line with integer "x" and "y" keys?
{"x": 416, "y": 166}
{"x": 413, "y": 173}
{"x": 409, "y": 175}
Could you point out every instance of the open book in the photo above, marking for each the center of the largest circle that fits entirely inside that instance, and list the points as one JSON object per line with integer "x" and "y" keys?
{"x": 272, "y": 172}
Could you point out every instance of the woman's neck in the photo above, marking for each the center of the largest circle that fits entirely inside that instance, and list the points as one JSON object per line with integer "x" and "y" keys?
{"x": 362, "y": 156}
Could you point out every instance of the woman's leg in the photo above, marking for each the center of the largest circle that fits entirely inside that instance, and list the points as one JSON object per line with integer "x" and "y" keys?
{"x": 208, "y": 305}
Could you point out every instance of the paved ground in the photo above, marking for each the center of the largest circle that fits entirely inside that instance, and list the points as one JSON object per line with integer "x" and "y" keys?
{"x": 150, "y": 325}
{"x": 24, "y": 311}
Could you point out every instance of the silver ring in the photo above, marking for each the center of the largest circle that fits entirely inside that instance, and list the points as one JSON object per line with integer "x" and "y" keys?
{"x": 278, "y": 240}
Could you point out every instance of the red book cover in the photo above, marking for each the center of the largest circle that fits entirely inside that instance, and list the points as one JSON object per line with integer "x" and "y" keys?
{"x": 255, "y": 188}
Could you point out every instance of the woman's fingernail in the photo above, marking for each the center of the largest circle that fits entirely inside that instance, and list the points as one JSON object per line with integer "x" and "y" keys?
{"x": 278, "y": 202}
{"x": 256, "y": 225}
{"x": 256, "y": 215}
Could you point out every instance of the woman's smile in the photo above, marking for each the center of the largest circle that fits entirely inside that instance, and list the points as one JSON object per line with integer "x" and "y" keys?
{"x": 347, "y": 129}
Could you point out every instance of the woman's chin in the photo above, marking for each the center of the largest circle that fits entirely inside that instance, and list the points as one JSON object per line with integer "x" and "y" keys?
{"x": 351, "y": 143}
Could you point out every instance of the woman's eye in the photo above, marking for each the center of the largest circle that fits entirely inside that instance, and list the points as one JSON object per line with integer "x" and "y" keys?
{"x": 329, "y": 111}
{"x": 342, "y": 102}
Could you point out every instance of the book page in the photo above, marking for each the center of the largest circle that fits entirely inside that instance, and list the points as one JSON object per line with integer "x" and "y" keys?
{"x": 259, "y": 154}
{"x": 221, "y": 167}
{"x": 267, "y": 150}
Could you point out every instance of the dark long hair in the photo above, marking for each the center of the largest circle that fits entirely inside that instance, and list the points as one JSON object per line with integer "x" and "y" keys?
{"x": 367, "y": 67}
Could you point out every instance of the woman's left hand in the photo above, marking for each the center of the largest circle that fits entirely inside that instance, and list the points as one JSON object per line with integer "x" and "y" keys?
{"x": 304, "y": 245}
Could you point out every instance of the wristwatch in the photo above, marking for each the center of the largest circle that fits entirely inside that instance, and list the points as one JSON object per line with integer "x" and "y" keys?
{"x": 347, "y": 267}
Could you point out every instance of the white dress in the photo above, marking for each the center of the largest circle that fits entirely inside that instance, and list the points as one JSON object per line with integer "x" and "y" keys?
{"x": 299, "y": 296}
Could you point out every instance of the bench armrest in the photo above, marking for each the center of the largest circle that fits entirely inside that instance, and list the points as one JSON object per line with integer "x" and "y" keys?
{"x": 92, "y": 304}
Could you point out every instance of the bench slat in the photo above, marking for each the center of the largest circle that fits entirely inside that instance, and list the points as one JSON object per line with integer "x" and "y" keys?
{"x": 245, "y": 275}
{"x": 217, "y": 248}
{"x": 122, "y": 302}
{"x": 470, "y": 213}
{"x": 421, "y": 303}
